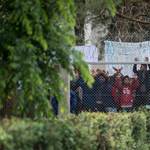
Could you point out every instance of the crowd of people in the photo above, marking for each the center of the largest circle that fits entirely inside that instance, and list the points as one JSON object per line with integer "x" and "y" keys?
{"x": 111, "y": 93}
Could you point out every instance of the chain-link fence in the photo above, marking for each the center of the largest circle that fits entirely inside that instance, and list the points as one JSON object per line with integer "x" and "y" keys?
{"x": 118, "y": 86}
{"x": 114, "y": 92}
{"x": 118, "y": 39}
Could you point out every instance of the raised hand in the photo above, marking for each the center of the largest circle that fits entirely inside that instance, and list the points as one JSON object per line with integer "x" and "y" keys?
{"x": 93, "y": 73}
{"x": 136, "y": 59}
{"x": 118, "y": 70}
{"x": 106, "y": 74}
{"x": 115, "y": 69}
{"x": 135, "y": 76}
{"x": 99, "y": 71}
{"x": 99, "y": 102}
{"x": 147, "y": 59}
{"x": 119, "y": 75}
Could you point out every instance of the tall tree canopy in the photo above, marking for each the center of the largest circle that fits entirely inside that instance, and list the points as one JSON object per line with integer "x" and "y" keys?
{"x": 34, "y": 36}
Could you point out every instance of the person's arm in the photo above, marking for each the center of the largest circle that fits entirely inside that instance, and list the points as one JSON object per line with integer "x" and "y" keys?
{"x": 135, "y": 66}
{"x": 99, "y": 71}
{"x": 80, "y": 82}
{"x": 136, "y": 84}
{"x": 114, "y": 94}
{"x": 147, "y": 60}
{"x": 106, "y": 74}
{"x": 73, "y": 101}
{"x": 97, "y": 80}
{"x": 118, "y": 85}
{"x": 117, "y": 70}
{"x": 114, "y": 75}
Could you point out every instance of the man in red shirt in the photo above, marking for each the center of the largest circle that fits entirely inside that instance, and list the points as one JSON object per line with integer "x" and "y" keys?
{"x": 127, "y": 92}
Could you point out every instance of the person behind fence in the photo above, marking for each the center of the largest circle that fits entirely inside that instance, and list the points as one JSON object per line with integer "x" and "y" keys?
{"x": 108, "y": 95}
{"x": 131, "y": 80}
{"x": 142, "y": 93}
{"x": 78, "y": 92}
{"x": 88, "y": 94}
{"x": 78, "y": 107}
{"x": 73, "y": 102}
{"x": 114, "y": 77}
{"x": 126, "y": 88}
{"x": 98, "y": 92}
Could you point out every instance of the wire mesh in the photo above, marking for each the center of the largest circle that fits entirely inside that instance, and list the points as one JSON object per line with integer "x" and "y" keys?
{"x": 131, "y": 24}
{"x": 125, "y": 34}
{"x": 115, "y": 92}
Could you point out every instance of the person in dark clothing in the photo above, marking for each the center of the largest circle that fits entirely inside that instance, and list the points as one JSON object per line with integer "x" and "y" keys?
{"x": 106, "y": 95}
{"x": 99, "y": 90}
{"x": 73, "y": 102}
{"x": 142, "y": 92}
{"x": 78, "y": 107}
{"x": 73, "y": 85}
{"x": 78, "y": 92}
{"x": 98, "y": 94}
{"x": 88, "y": 94}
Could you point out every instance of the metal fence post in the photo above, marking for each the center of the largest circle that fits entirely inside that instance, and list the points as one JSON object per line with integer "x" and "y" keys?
{"x": 66, "y": 77}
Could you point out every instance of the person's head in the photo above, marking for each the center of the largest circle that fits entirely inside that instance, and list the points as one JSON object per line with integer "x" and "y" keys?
{"x": 112, "y": 79}
{"x": 125, "y": 80}
{"x": 143, "y": 67}
{"x": 102, "y": 77}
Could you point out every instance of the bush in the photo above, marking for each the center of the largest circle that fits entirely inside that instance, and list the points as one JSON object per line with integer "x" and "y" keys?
{"x": 92, "y": 131}
{"x": 118, "y": 131}
{"x": 43, "y": 135}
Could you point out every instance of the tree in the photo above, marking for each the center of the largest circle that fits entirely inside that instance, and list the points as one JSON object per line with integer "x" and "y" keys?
{"x": 34, "y": 36}
{"x": 128, "y": 22}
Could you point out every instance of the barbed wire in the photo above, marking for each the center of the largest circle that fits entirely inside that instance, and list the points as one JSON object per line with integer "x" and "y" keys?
{"x": 121, "y": 28}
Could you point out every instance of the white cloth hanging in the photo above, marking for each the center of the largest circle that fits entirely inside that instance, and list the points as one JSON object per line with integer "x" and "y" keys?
{"x": 90, "y": 52}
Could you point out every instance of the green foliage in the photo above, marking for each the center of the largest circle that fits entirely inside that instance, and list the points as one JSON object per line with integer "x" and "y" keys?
{"x": 111, "y": 7}
{"x": 43, "y": 135}
{"x": 92, "y": 131}
{"x": 119, "y": 131}
{"x": 34, "y": 36}
{"x": 93, "y": 8}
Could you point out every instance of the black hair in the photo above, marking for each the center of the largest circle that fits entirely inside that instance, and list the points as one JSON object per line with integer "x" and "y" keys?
{"x": 145, "y": 65}
{"x": 101, "y": 75}
{"x": 125, "y": 77}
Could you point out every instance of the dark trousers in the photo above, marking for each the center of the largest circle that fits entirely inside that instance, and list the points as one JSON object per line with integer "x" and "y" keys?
{"x": 90, "y": 108}
{"x": 78, "y": 107}
{"x": 141, "y": 101}
{"x": 100, "y": 108}
{"x": 127, "y": 109}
